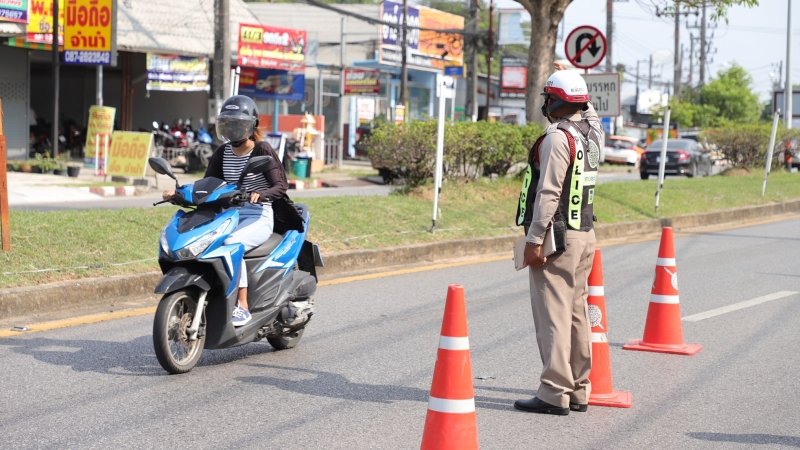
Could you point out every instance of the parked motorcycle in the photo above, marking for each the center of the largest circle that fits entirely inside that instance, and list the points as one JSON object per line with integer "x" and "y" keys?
{"x": 200, "y": 282}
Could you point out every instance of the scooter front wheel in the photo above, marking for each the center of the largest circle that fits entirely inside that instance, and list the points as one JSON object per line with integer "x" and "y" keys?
{"x": 175, "y": 351}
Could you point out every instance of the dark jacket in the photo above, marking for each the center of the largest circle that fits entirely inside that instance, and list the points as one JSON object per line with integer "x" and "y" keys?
{"x": 286, "y": 215}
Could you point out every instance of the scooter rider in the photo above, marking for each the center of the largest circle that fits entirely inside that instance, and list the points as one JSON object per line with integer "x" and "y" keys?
{"x": 236, "y": 125}
{"x": 558, "y": 192}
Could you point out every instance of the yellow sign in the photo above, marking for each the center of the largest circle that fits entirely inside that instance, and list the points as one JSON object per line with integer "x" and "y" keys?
{"x": 101, "y": 121}
{"x": 129, "y": 153}
{"x": 40, "y": 21}
{"x": 88, "y": 25}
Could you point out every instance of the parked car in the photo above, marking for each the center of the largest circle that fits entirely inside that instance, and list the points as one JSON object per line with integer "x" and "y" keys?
{"x": 684, "y": 157}
{"x": 622, "y": 150}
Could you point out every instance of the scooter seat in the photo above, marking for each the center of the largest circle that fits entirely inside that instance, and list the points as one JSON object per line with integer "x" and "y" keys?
{"x": 266, "y": 248}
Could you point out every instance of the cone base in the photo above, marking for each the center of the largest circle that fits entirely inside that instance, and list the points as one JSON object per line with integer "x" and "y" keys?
{"x": 616, "y": 399}
{"x": 685, "y": 349}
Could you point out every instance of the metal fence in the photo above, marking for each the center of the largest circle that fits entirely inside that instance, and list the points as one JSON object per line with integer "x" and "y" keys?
{"x": 332, "y": 148}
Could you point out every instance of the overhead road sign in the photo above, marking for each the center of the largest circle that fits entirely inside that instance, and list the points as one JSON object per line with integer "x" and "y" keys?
{"x": 585, "y": 47}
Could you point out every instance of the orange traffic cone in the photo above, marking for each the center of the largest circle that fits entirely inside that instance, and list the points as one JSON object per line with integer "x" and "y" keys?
{"x": 603, "y": 393}
{"x": 451, "y": 421}
{"x": 663, "y": 332}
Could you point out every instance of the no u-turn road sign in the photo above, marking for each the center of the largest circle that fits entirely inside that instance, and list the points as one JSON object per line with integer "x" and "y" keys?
{"x": 585, "y": 47}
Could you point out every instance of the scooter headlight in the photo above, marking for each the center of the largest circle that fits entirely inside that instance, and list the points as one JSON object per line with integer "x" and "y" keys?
{"x": 164, "y": 243}
{"x": 200, "y": 245}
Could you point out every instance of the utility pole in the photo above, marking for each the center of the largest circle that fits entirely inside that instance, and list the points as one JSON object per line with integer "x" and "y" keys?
{"x": 637, "y": 83}
{"x": 54, "y": 135}
{"x": 403, "y": 61}
{"x": 676, "y": 76}
{"x": 787, "y": 92}
{"x": 489, "y": 62}
{"x": 703, "y": 47}
{"x": 650, "y": 74}
{"x": 222, "y": 53}
{"x": 609, "y": 34}
{"x": 472, "y": 61}
{"x": 690, "y": 80}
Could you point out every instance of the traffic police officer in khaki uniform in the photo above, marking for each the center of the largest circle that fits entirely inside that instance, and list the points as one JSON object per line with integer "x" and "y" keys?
{"x": 558, "y": 193}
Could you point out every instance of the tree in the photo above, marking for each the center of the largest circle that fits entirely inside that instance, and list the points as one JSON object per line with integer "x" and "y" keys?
{"x": 731, "y": 95}
{"x": 545, "y": 17}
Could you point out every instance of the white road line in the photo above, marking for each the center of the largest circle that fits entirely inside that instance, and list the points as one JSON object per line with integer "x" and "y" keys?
{"x": 737, "y": 306}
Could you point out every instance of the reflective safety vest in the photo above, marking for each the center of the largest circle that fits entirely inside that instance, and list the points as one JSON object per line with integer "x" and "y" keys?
{"x": 577, "y": 195}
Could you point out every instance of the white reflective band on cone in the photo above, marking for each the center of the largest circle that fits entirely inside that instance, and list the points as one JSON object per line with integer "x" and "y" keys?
{"x": 453, "y": 343}
{"x": 669, "y": 262}
{"x": 672, "y": 299}
{"x": 597, "y": 291}
{"x": 600, "y": 338}
{"x": 444, "y": 405}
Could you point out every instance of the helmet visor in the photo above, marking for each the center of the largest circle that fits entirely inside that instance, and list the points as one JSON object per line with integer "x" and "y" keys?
{"x": 232, "y": 129}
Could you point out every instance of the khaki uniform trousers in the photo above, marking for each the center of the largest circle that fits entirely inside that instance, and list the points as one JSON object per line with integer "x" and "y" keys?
{"x": 558, "y": 300}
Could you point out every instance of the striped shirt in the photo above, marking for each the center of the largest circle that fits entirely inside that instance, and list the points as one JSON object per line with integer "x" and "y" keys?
{"x": 232, "y": 166}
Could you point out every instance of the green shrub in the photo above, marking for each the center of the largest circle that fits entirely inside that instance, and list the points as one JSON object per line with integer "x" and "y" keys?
{"x": 471, "y": 149}
{"x": 745, "y": 145}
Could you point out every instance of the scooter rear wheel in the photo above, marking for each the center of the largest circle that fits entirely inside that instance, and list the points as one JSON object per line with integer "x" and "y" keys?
{"x": 175, "y": 352}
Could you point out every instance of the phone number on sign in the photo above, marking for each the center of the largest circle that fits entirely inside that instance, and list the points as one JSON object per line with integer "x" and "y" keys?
{"x": 77, "y": 57}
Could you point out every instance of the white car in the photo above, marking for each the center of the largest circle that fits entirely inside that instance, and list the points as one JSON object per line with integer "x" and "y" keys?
{"x": 622, "y": 150}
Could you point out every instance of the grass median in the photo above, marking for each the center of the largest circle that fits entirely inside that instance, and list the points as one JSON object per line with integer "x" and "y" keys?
{"x": 58, "y": 245}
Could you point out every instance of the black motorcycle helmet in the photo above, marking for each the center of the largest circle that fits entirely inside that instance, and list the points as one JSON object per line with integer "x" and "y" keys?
{"x": 237, "y": 120}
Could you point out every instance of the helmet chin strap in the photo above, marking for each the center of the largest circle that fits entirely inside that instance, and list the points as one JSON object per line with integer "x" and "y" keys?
{"x": 238, "y": 143}
{"x": 549, "y": 106}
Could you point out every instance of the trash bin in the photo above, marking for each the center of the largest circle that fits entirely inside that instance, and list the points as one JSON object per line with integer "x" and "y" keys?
{"x": 301, "y": 167}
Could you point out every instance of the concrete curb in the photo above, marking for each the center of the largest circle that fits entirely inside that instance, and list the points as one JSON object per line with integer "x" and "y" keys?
{"x": 107, "y": 292}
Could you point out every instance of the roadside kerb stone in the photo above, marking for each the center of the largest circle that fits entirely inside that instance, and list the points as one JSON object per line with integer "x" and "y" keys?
{"x": 110, "y": 291}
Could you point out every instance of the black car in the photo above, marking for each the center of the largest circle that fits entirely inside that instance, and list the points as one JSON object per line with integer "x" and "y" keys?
{"x": 684, "y": 157}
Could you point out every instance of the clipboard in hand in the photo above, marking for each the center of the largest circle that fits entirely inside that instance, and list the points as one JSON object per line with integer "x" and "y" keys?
{"x": 548, "y": 248}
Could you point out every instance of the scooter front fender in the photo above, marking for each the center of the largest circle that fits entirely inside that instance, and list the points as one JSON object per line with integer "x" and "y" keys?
{"x": 178, "y": 278}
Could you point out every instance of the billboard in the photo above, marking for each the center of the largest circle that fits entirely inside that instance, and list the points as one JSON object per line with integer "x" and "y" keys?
{"x": 88, "y": 34}
{"x": 513, "y": 77}
{"x": 176, "y": 73}
{"x": 362, "y": 82}
{"x": 129, "y": 152}
{"x": 40, "y": 22}
{"x": 272, "y": 84}
{"x": 14, "y": 11}
{"x": 426, "y": 49}
{"x": 268, "y": 47}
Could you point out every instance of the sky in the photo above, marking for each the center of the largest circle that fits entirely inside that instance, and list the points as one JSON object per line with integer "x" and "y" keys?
{"x": 754, "y": 38}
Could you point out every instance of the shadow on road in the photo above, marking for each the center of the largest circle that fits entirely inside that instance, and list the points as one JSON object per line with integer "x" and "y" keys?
{"x": 750, "y": 438}
{"x": 333, "y": 385}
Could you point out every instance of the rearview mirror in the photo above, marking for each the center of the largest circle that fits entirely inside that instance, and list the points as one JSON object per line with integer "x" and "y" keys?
{"x": 155, "y": 124}
{"x": 257, "y": 164}
{"x": 160, "y": 165}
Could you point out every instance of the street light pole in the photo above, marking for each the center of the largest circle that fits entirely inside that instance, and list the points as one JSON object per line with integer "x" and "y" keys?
{"x": 56, "y": 94}
{"x": 489, "y": 62}
{"x": 787, "y": 92}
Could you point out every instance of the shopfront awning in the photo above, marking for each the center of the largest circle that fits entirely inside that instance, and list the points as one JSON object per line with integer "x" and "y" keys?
{"x": 8, "y": 29}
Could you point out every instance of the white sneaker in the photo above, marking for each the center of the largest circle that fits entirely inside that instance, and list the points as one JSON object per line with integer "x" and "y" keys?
{"x": 240, "y": 316}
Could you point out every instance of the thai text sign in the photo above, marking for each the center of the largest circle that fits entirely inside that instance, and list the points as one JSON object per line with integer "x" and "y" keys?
{"x": 424, "y": 48}
{"x": 362, "y": 82}
{"x": 87, "y": 32}
{"x": 101, "y": 121}
{"x": 176, "y": 73}
{"x": 40, "y": 22}
{"x": 604, "y": 91}
{"x": 271, "y": 47}
{"x": 513, "y": 78}
{"x": 14, "y": 11}
{"x": 271, "y": 84}
{"x": 129, "y": 153}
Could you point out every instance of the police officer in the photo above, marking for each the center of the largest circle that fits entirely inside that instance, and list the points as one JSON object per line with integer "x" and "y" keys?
{"x": 557, "y": 194}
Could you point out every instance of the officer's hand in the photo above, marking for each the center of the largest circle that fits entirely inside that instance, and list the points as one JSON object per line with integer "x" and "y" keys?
{"x": 533, "y": 256}
{"x": 167, "y": 195}
{"x": 254, "y": 196}
{"x": 560, "y": 64}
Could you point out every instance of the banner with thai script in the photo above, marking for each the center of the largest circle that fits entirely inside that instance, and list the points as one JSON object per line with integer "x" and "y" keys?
{"x": 40, "y": 22}
{"x": 362, "y": 82}
{"x": 428, "y": 49}
{"x": 129, "y": 153}
{"x": 176, "y": 73}
{"x": 513, "y": 77}
{"x": 268, "y": 47}
{"x": 14, "y": 11}
{"x": 101, "y": 122}
{"x": 88, "y": 34}
{"x": 271, "y": 84}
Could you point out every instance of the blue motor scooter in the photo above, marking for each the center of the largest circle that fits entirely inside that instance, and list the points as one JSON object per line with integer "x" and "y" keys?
{"x": 201, "y": 275}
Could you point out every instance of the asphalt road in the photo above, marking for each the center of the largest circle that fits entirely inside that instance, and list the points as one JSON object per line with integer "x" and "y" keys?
{"x": 361, "y": 376}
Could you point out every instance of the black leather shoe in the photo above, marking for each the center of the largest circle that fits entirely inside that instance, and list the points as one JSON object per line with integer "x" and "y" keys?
{"x": 535, "y": 405}
{"x": 580, "y": 407}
